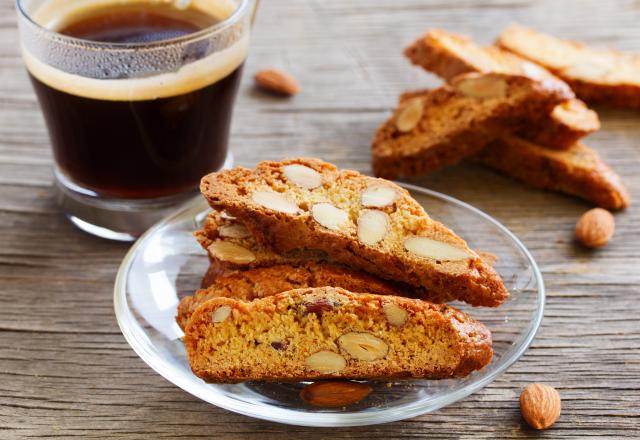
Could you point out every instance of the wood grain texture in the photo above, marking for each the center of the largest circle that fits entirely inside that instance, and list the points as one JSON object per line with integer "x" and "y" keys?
{"x": 65, "y": 369}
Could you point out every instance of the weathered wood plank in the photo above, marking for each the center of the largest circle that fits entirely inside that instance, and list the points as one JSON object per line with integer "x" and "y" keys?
{"x": 65, "y": 369}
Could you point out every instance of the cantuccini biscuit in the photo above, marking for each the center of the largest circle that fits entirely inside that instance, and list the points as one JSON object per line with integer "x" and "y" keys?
{"x": 365, "y": 223}
{"x": 256, "y": 283}
{"x": 578, "y": 171}
{"x": 304, "y": 263}
{"x": 456, "y": 120}
{"x": 447, "y": 55}
{"x": 326, "y": 332}
{"x": 596, "y": 75}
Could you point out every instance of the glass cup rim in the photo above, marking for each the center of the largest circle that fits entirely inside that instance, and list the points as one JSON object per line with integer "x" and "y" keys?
{"x": 234, "y": 17}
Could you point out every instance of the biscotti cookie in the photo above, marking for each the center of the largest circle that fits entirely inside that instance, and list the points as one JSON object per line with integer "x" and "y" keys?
{"x": 365, "y": 223}
{"x": 266, "y": 281}
{"x": 234, "y": 240}
{"x": 578, "y": 171}
{"x": 456, "y": 120}
{"x": 448, "y": 55}
{"x": 596, "y": 75}
{"x": 231, "y": 247}
{"x": 309, "y": 334}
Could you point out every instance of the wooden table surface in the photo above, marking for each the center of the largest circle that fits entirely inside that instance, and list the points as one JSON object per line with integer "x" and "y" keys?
{"x": 66, "y": 370}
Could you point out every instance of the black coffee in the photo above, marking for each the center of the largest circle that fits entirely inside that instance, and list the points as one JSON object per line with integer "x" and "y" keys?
{"x": 146, "y": 147}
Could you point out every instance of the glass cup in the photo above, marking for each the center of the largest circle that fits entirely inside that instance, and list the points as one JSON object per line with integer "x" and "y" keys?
{"x": 133, "y": 126}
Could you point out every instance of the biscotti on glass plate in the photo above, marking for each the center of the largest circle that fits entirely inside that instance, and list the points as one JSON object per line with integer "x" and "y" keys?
{"x": 322, "y": 273}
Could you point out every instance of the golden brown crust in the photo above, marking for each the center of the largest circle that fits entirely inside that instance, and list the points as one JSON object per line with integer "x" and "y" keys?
{"x": 272, "y": 338}
{"x": 267, "y": 281}
{"x": 565, "y": 125}
{"x": 454, "y": 125}
{"x": 465, "y": 277}
{"x": 578, "y": 171}
{"x": 212, "y": 273}
{"x": 596, "y": 75}
{"x": 448, "y": 55}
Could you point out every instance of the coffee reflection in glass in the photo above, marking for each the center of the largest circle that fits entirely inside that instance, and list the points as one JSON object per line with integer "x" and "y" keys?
{"x": 137, "y": 96}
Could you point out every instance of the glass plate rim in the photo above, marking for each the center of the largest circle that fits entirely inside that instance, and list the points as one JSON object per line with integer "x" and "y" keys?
{"x": 128, "y": 323}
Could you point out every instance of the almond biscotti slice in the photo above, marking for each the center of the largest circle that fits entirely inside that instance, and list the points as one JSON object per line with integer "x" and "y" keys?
{"x": 231, "y": 247}
{"x": 456, "y": 120}
{"x": 447, "y": 55}
{"x": 326, "y": 332}
{"x": 238, "y": 251}
{"x": 251, "y": 284}
{"x": 365, "y": 223}
{"x": 596, "y": 75}
{"x": 578, "y": 171}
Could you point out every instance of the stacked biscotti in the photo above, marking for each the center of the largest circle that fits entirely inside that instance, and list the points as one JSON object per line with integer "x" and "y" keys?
{"x": 317, "y": 272}
{"x": 501, "y": 107}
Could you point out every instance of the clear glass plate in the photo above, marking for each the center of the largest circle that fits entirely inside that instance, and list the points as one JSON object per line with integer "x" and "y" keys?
{"x": 166, "y": 263}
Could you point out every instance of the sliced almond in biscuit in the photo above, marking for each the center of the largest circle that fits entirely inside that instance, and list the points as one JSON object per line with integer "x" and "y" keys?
{"x": 326, "y": 361}
{"x": 396, "y": 315}
{"x": 481, "y": 86}
{"x": 303, "y": 176}
{"x": 275, "y": 201}
{"x": 437, "y": 250}
{"x": 226, "y": 216}
{"x": 378, "y": 196}
{"x": 409, "y": 115}
{"x": 221, "y": 314}
{"x": 234, "y": 230}
{"x": 363, "y": 346}
{"x": 372, "y": 226}
{"x": 329, "y": 216}
{"x": 231, "y": 252}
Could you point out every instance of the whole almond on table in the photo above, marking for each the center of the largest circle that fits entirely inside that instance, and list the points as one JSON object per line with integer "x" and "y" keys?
{"x": 540, "y": 405}
{"x": 595, "y": 228}
{"x": 334, "y": 393}
{"x": 277, "y": 81}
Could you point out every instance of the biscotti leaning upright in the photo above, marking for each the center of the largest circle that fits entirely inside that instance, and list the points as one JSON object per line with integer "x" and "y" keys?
{"x": 577, "y": 170}
{"x": 603, "y": 76}
{"x": 456, "y": 120}
{"x": 327, "y": 332}
{"x": 366, "y": 223}
{"x": 448, "y": 55}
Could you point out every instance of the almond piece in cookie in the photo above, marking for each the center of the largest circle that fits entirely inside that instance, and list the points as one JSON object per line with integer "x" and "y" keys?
{"x": 378, "y": 196}
{"x": 373, "y": 226}
{"x": 409, "y": 116}
{"x": 303, "y": 176}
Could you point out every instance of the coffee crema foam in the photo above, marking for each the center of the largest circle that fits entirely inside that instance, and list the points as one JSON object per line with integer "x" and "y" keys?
{"x": 190, "y": 77}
